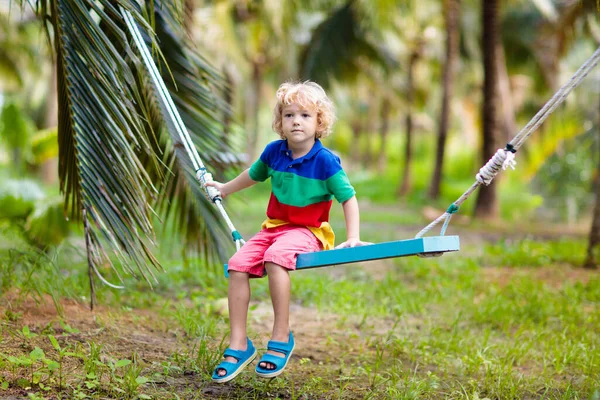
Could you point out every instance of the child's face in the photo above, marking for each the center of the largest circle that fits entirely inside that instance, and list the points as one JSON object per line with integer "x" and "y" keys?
{"x": 299, "y": 124}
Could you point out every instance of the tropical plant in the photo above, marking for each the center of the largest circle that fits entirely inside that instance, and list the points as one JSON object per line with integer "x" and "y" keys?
{"x": 118, "y": 165}
{"x": 351, "y": 32}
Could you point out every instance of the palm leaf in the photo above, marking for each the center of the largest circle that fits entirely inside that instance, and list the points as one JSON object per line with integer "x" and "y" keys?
{"x": 193, "y": 85}
{"x": 108, "y": 154}
{"x": 336, "y": 48}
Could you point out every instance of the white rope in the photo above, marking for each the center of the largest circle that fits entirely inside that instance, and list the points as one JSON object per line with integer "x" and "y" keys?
{"x": 502, "y": 159}
{"x": 505, "y": 158}
{"x": 201, "y": 175}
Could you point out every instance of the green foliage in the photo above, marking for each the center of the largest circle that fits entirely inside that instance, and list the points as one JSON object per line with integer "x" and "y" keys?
{"x": 24, "y": 203}
{"x": 16, "y": 129}
{"x": 565, "y": 177}
{"x": 47, "y": 224}
{"x": 18, "y": 198}
{"x": 44, "y": 145}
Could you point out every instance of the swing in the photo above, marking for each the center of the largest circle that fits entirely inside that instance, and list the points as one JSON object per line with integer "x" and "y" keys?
{"x": 430, "y": 246}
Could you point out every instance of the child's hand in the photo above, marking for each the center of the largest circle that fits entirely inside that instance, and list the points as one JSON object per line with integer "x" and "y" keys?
{"x": 352, "y": 243}
{"x": 219, "y": 186}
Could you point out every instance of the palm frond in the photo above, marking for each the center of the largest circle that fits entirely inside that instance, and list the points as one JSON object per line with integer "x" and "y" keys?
{"x": 194, "y": 86}
{"x": 336, "y": 47}
{"x": 111, "y": 150}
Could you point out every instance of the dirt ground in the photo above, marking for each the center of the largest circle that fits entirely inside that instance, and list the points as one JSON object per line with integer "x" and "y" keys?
{"x": 140, "y": 331}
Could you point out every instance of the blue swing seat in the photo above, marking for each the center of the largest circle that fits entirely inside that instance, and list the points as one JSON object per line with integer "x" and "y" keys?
{"x": 430, "y": 246}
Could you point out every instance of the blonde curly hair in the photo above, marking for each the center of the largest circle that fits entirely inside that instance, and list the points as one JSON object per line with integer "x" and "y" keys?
{"x": 309, "y": 95}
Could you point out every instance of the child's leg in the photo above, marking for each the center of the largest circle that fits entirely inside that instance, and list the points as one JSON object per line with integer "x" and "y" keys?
{"x": 279, "y": 286}
{"x": 239, "y": 299}
{"x": 280, "y": 258}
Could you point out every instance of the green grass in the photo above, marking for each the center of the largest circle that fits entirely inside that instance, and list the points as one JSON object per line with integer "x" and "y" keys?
{"x": 511, "y": 320}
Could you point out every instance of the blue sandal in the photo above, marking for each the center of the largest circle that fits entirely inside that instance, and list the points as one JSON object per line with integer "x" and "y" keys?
{"x": 279, "y": 362}
{"x": 232, "y": 370}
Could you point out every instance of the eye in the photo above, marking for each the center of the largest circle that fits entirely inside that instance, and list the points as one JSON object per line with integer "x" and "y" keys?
{"x": 288, "y": 115}
{"x": 306, "y": 115}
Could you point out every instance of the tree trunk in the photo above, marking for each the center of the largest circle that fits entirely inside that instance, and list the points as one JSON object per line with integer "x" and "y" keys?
{"x": 509, "y": 122}
{"x": 356, "y": 125}
{"x": 452, "y": 14}
{"x": 49, "y": 169}
{"x": 406, "y": 179}
{"x": 371, "y": 126}
{"x": 386, "y": 106}
{"x": 252, "y": 115}
{"x": 487, "y": 204}
{"x": 593, "y": 251}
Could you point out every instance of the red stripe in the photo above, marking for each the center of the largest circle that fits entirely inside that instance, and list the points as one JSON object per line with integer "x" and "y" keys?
{"x": 311, "y": 215}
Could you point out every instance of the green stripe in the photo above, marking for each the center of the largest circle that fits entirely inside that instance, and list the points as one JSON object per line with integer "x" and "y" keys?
{"x": 298, "y": 191}
{"x": 340, "y": 186}
{"x": 259, "y": 172}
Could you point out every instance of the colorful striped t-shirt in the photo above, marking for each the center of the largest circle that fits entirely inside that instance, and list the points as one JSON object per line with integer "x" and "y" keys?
{"x": 302, "y": 189}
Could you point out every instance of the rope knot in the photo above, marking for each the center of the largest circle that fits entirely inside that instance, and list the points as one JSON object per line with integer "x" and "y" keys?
{"x": 502, "y": 159}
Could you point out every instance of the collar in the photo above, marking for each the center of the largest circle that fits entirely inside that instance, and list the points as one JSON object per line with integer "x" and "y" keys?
{"x": 313, "y": 151}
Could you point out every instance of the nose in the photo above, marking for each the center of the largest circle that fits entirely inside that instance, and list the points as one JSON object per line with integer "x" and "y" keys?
{"x": 296, "y": 120}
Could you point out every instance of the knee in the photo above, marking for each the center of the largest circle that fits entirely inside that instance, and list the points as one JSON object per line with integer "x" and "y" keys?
{"x": 275, "y": 269}
{"x": 238, "y": 277}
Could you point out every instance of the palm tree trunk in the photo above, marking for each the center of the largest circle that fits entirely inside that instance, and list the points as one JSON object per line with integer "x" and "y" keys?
{"x": 406, "y": 179}
{"x": 509, "y": 123}
{"x": 386, "y": 107}
{"x": 593, "y": 251}
{"x": 452, "y": 11}
{"x": 356, "y": 126}
{"x": 49, "y": 168}
{"x": 486, "y": 205}
{"x": 367, "y": 156}
{"x": 252, "y": 115}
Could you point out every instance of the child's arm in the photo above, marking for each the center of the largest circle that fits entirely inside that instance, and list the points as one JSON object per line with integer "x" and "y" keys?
{"x": 352, "y": 216}
{"x": 242, "y": 181}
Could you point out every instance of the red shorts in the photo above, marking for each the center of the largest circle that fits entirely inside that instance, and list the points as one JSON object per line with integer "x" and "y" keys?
{"x": 278, "y": 245}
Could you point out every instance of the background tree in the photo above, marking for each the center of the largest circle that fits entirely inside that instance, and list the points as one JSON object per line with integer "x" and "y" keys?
{"x": 451, "y": 17}
{"x": 592, "y": 259}
{"x": 415, "y": 55}
{"x": 486, "y": 204}
{"x": 252, "y": 41}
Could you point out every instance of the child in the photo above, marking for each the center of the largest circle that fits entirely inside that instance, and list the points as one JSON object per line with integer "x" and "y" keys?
{"x": 305, "y": 176}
